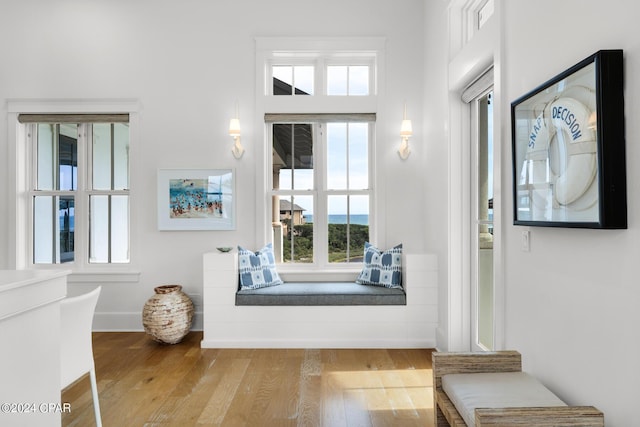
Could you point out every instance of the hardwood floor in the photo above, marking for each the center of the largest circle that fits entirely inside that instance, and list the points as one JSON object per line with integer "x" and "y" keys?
{"x": 143, "y": 383}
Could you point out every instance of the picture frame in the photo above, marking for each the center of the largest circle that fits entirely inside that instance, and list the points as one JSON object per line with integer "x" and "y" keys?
{"x": 568, "y": 148}
{"x": 196, "y": 199}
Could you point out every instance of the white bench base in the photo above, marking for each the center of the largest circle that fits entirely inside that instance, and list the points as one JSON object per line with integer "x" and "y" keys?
{"x": 227, "y": 325}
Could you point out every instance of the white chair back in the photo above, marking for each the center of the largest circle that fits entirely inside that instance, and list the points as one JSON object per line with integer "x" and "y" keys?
{"x": 76, "y": 349}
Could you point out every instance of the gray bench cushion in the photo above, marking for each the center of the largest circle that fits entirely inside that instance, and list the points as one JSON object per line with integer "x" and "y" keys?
{"x": 496, "y": 390}
{"x": 321, "y": 293}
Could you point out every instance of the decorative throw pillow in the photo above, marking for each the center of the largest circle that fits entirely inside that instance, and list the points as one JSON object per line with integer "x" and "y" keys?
{"x": 257, "y": 270}
{"x": 381, "y": 268}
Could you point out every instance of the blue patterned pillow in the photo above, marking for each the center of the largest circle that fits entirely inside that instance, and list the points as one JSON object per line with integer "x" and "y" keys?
{"x": 381, "y": 268}
{"x": 257, "y": 270}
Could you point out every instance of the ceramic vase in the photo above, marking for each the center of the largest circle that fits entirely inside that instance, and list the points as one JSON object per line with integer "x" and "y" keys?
{"x": 167, "y": 316}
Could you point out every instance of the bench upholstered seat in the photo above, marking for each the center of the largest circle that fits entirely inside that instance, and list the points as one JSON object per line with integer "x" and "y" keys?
{"x": 531, "y": 407}
{"x": 469, "y": 392}
{"x": 321, "y": 293}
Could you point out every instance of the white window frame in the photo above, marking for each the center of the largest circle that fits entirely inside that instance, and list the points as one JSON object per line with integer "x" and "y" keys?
{"x": 482, "y": 89}
{"x": 355, "y": 61}
{"x": 20, "y": 178}
{"x": 293, "y": 62}
{"x": 319, "y": 52}
{"x": 476, "y": 13}
{"x": 321, "y": 194}
{"x": 321, "y": 61}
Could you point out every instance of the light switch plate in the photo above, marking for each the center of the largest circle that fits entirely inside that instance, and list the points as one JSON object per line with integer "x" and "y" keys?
{"x": 526, "y": 241}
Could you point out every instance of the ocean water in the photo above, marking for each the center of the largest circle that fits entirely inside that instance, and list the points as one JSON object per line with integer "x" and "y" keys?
{"x": 342, "y": 219}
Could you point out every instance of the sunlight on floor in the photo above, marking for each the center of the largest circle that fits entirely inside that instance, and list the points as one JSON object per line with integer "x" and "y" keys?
{"x": 396, "y": 390}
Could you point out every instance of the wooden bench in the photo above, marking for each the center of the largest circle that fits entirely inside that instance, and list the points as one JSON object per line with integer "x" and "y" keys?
{"x": 446, "y": 414}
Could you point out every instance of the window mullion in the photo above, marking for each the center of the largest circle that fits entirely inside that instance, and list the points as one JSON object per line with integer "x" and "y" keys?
{"x": 373, "y": 87}
{"x": 31, "y": 179}
{"x": 109, "y": 229}
{"x": 112, "y": 154}
{"x": 347, "y": 155}
{"x": 291, "y": 226}
{"x": 320, "y": 77}
{"x": 293, "y": 156}
{"x": 55, "y": 240}
{"x": 113, "y": 186}
{"x": 370, "y": 191}
{"x": 52, "y": 193}
{"x": 82, "y": 225}
{"x": 348, "y": 183}
{"x": 108, "y": 192}
{"x": 322, "y": 223}
{"x": 56, "y": 158}
{"x": 32, "y": 153}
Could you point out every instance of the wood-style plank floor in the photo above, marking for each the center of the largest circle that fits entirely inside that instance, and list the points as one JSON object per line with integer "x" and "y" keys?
{"x": 143, "y": 383}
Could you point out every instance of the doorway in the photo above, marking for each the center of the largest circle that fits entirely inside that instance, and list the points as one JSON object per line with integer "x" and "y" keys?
{"x": 482, "y": 220}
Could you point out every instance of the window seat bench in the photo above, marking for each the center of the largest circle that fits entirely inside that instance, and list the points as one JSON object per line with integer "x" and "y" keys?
{"x": 314, "y": 314}
{"x": 321, "y": 293}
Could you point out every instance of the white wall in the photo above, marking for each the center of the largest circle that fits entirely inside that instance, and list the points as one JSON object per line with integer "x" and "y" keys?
{"x": 571, "y": 303}
{"x": 188, "y": 63}
{"x": 436, "y": 140}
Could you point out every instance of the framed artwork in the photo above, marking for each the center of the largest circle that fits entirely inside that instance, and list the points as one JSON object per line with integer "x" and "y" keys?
{"x": 568, "y": 146}
{"x": 196, "y": 199}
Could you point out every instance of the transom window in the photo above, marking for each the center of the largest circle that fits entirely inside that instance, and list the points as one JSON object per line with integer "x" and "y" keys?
{"x": 350, "y": 79}
{"x": 79, "y": 188}
{"x": 293, "y": 79}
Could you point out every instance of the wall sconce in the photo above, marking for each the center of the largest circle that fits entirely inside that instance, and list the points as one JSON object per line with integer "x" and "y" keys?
{"x": 405, "y": 133}
{"x": 234, "y": 132}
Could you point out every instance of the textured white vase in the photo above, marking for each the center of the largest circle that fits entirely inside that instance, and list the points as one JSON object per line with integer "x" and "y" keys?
{"x": 167, "y": 316}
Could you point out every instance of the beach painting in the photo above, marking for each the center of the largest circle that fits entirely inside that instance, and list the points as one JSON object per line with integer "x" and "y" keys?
{"x": 196, "y": 199}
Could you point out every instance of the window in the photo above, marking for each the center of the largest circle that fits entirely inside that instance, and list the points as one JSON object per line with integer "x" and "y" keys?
{"x": 485, "y": 12}
{"x": 351, "y": 80}
{"x": 293, "y": 80}
{"x": 321, "y": 188}
{"x": 341, "y": 79}
{"x": 319, "y": 99}
{"x": 78, "y": 188}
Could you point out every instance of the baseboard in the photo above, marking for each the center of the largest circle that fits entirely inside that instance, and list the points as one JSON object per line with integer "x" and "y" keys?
{"x": 130, "y": 322}
{"x": 267, "y": 343}
{"x": 441, "y": 340}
